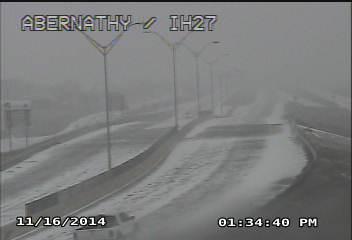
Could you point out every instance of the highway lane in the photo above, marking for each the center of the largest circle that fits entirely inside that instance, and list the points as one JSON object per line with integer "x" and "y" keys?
{"x": 209, "y": 173}
{"x": 9, "y": 159}
{"x": 81, "y": 158}
{"x": 260, "y": 164}
{"x": 69, "y": 163}
{"x": 195, "y": 169}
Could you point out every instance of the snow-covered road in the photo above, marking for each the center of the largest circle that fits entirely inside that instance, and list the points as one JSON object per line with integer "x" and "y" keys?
{"x": 78, "y": 159}
{"x": 236, "y": 170}
{"x": 69, "y": 163}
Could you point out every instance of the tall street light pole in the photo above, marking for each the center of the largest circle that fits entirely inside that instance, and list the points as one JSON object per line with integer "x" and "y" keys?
{"x": 173, "y": 47}
{"x": 107, "y": 108}
{"x": 221, "y": 95}
{"x": 175, "y": 86}
{"x": 211, "y": 69}
{"x": 104, "y": 50}
{"x": 197, "y": 82}
{"x": 197, "y": 55}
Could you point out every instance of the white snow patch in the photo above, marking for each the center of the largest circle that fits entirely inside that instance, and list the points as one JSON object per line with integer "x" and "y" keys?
{"x": 189, "y": 164}
{"x": 45, "y": 155}
{"x": 342, "y": 101}
{"x": 194, "y": 160}
{"x": 19, "y": 143}
{"x": 91, "y": 120}
{"x": 92, "y": 166}
{"x": 280, "y": 159}
{"x": 186, "y": 113}
{"x": 299, "y": 99}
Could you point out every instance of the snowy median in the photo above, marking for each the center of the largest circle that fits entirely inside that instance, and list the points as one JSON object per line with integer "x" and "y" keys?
{"x": 75, "y": 172}
{"x": 200, "y": 161}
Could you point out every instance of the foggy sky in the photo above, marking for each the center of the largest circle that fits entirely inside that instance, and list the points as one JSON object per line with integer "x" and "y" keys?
{"x": 298, "y": 44}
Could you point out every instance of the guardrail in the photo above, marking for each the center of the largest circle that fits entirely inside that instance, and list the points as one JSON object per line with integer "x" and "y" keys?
{"x": 95, "y": 189}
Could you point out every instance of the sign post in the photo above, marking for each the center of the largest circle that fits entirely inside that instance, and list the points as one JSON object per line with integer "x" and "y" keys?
{"x": 17, "y": 113}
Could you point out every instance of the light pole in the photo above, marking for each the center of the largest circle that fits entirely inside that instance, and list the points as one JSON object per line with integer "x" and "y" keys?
{"x": 221, "y": 95}
{"x": 104, "y": 50}
{"x": 211, "y": 69}
{"x": 173, "y": 47}
{"x": 197, "y": 55}
{"x": 107, "y": 107}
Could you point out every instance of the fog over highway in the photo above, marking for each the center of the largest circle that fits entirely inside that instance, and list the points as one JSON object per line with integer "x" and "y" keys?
{"x": 248, "y": 118}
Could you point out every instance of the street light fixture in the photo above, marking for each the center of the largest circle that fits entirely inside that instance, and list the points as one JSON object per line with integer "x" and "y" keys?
{"x": 197, "y": 55}
{"x": 104, "y": 50}
{"x": 173, "y": 47}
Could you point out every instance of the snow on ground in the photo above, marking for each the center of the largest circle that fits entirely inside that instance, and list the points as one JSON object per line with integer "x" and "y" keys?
{"x": 19, "y": 143}
{"x": 86, "y": 121}
{"x": 249, "y": 178}
{"x": 244, "y": 189}
{"x": 95, "y": 164}
{"x": 238, "y": 116}
{"x": 191, "y": 162}
{"x": 91, "y": 120}
{"x": 114, "y": 115}
{"x": 186, "y": 113}
{"x": 307, "y": 102}
{"x": 299, "y": 99}
{"x": 332, "y": 138}
{"x": 43, "y": 156}
{"x": 342, "y": 101}
{"x": 277, "y": 114}
{"x": 222, "y": 111}
{"x": 195, "y": 160}
{"x": 151, "y": 102}
{"x": 188, "y": 165}
{"x": 281, "y": 159}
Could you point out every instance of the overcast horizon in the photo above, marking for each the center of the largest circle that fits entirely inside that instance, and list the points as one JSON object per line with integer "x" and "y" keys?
{"x": 295, "y": 43}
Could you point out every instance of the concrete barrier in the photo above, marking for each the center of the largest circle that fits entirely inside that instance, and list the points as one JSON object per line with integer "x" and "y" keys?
{"x": 301, "y": 136}
{"x": 81, "y": 194}
{"x": 85, "y": 193}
